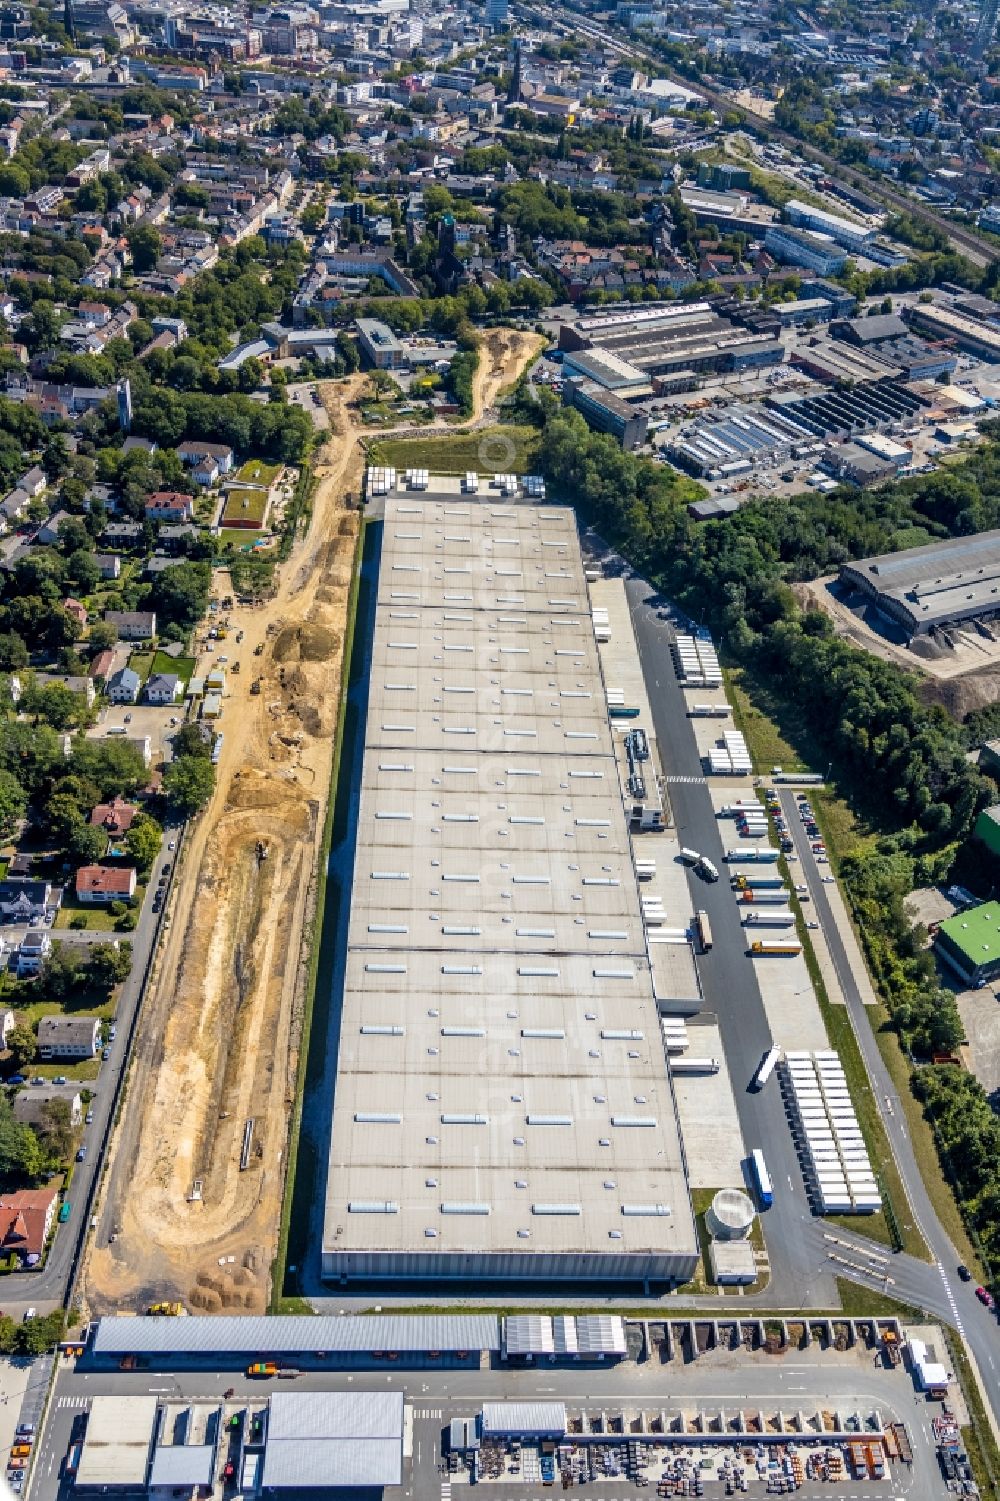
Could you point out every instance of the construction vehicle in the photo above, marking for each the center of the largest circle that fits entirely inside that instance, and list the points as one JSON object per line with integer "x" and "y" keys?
{"x": 167, "y": 1310}
{"x": 236, "y": 667}
{"x": 258, "y": 650}
{"x": 262, "y": 1368}
{"x": 891, "y": 1346}
{"x": 261, "y": 851}
{"x": 255, "y": 685}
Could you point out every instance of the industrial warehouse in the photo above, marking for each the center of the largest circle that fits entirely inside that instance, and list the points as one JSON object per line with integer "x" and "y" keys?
{"x": 639, "y": 345}
{"x": 503, "y": 1108}
{"x": 925, "y": 588}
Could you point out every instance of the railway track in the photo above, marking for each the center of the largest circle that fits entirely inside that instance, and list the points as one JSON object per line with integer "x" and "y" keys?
{"x": 975, "y": 249}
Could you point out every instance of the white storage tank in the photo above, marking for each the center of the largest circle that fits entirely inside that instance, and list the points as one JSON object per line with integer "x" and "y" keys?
{"x": 730, "y": 1215}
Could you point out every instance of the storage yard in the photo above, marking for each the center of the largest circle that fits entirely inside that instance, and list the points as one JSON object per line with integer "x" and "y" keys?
{"x": 816, "y": 1407}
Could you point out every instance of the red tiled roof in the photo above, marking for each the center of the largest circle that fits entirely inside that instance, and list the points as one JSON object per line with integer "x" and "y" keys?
{"x": 105, "y": 879}
{"x": 22, "y": 1220}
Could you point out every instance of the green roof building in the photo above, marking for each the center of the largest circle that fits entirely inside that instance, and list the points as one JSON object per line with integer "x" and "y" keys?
{"x": 987, "y": 829}
{"x": 969, "y": 943}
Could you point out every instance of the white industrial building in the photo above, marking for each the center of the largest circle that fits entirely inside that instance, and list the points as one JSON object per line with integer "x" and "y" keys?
{"x": 503, "y": 1109}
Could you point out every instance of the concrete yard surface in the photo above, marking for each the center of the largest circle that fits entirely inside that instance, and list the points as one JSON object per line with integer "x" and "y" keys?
{"x": 710, "y": 1126}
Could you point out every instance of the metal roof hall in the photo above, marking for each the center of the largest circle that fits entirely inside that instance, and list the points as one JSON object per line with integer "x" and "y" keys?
{"x": 290, "y": 1335}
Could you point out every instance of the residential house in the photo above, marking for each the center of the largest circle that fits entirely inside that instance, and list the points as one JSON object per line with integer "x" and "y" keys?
{"x": 193, "y": 451}
{"x": 48, "y": 532}
{"x": 123, "y": 534}
{"x": 34, "y": 481}
{"x": 163, "y": 688}
{"x": 75, "y": 610}
{"x": 97, "y": 885}
{"x": 132, "y": 625}
{"x": 20, "y": 901}
{"x": 123, "y": 686}
{"x": 169, "y": 505}
{"x": 25, "y": 1222}
{"x": 29, "y": 1105}
{"x": 76, "y": 683}
{"x": 206, "y": 472}
{"x": 101, "y": 665}
{"x": 33, "y": 950}
{"x": 109, "y": 563}
{"x": 114, "y": 817}
{"x": 69, "y": 1036}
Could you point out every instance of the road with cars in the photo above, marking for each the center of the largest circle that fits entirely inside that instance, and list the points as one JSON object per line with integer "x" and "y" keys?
{"x": 915, "y": 1279}
{"x": 47, "y": 1288}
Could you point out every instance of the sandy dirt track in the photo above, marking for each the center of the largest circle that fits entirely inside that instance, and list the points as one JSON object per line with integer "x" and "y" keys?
{"x": 218, "y": 1037}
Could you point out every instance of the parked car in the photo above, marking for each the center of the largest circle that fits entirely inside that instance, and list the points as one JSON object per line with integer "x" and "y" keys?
{"x": 60, "y": 1079}
{"x": 964, "y": 1273}
{"x": 106, "y": 1054}
{"x": 986, "y": 1298}
{"x": 88, "y": 1119}
{"x": 81, "y": 1154}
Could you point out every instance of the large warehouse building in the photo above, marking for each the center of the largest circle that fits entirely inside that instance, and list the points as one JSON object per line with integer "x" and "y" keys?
{"x": 671, "y": 338}
{"x": 503, "y": 1109}
{"x": 938, "y": 585}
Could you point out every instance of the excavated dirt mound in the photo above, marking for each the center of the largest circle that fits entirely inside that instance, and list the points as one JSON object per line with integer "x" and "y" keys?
{"x": 306, "y": 643}
{"x": 960, "y": 695}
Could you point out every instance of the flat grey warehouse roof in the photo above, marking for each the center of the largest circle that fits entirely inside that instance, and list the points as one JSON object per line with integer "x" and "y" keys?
{"x": 958, "y": 579}
{"x": 502, "y": 1109}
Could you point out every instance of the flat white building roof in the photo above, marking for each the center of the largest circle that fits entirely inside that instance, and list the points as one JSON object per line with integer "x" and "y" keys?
{"x": 503, "y": 1107}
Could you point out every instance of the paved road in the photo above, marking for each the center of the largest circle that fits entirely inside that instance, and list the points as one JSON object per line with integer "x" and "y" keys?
{"x": 728, "y": 979}
{"x": 47, "y": 1288}
{"x": 936, "y": 1287}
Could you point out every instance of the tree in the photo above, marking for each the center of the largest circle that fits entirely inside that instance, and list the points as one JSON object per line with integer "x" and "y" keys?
{"x": 14, "y": 181}
{"x": 143, "y": 841}
{"x": 58, "y": 705}
{"x": 13, "y": 803}
{"x": 61, "y": 973}
{"x": 111, "y": 765}
{"x": 180, "y": 595}
{"x": 189, "y": 782}
{"x": 146, "y": 245}
{"x": 108, "y": 964}
{"x": 22, "y": 1045}
{"x": 35, "y": 1336}
{"x": 194, "y": 739}
{"x": 20, "y": 1153}
{"x": 102, "y": 637}
{"x": 55, "y": 1130}
{"x": 87, "y": 843}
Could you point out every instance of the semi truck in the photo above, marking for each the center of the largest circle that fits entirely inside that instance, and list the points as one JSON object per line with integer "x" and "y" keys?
{"x": 694, "y": 1065}
{"x": 761, "y": 854}
{"x": 764, "y": 898}
{"x": 777, "y": 948}
{"x": 770, "y": 917}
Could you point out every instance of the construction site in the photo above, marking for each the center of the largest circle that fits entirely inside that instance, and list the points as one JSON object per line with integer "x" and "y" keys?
{"x": 191, "y": 1203}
